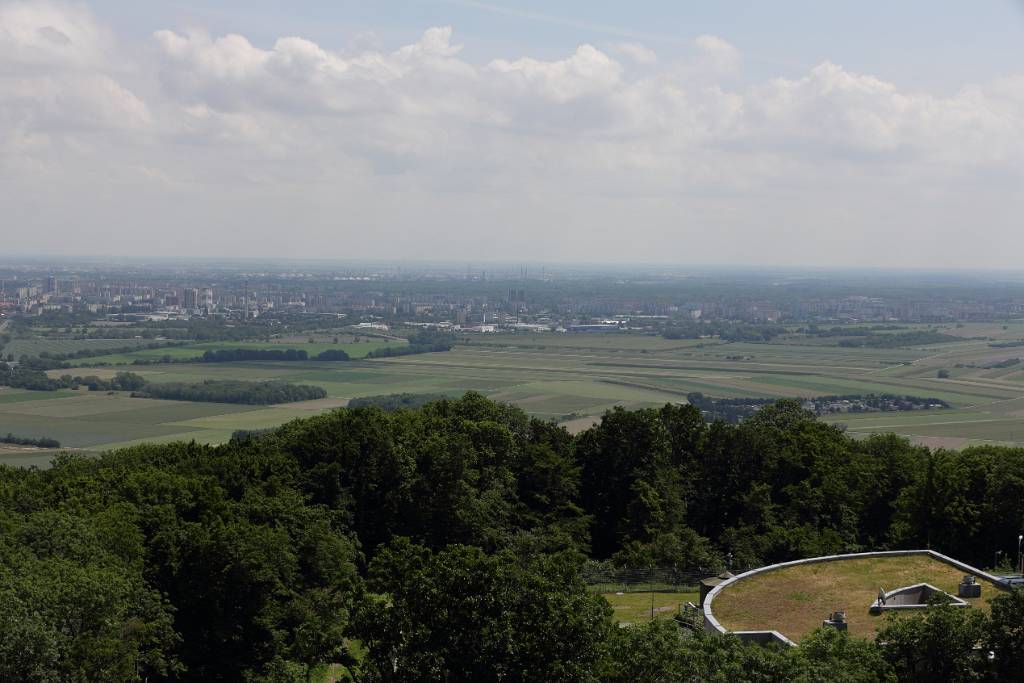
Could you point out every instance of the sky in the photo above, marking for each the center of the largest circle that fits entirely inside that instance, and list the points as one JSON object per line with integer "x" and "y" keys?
{"x": 789, "y": 133}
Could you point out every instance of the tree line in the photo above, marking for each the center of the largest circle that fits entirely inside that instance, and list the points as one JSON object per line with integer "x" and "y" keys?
{"x": 390, "y": 402}
{"x": 234, "y": 355}
{"x": 727, "y": 331}
{"x": 231, "y": 391}
{"x": 739, "y": 409}
{"x": 899, "y": 339}
{"x": 213, "y": 391}
{"x": 445, "y": 543}
{"x": 41, "y": 442}
{"x": 94, "y": 352}
{"x": 48, "y": 360}
{"x": 847, "y": 331}
{"x": 237, "y": 355}
{"x": 27, "y": 377}
{"x": 423, "y": 341}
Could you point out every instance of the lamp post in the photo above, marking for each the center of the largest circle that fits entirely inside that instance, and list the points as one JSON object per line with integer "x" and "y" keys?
{"x": 1020, "y": 558}
{"x": 995, "y": 567}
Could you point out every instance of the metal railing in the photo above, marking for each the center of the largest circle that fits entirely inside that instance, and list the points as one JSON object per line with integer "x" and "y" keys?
{"x": 606, "y": 579}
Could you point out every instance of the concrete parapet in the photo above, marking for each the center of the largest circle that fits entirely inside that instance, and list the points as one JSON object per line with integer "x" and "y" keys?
{"x": 712, "y": 624}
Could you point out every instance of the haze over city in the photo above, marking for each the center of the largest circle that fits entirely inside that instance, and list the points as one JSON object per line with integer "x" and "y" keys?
{"x": 787, "y": 134}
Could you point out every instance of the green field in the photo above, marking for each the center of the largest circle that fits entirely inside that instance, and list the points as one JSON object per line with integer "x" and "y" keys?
{"x": 565, "y": 377}
{"x": 353, "y": 349}
{"x": 34, "y": 347}
{"x": 632, "y": 608}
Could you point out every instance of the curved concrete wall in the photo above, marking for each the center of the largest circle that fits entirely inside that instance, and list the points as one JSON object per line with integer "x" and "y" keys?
{"x": 711, "y": 623}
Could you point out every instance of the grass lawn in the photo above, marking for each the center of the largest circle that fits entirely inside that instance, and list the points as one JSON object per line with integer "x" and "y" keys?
{"x": 795, "y": 600}
{"x": 632, "y": 608}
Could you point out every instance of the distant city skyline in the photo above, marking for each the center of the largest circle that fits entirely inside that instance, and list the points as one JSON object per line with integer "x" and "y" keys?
{"x": 789, "y": 134}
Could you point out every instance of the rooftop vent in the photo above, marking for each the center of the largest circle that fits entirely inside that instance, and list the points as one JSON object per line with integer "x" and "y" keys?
{"x": 836, "y": 620}
{"x": 969, "y": 588}
{"x": 706, "y": 585}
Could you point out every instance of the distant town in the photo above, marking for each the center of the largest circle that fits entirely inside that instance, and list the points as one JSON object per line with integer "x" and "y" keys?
{"x": 502, "y": 299}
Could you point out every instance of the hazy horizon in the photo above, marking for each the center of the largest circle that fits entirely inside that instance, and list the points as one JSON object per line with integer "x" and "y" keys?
{"x": 507, "y": 270}
{"x": 784, "y": 136}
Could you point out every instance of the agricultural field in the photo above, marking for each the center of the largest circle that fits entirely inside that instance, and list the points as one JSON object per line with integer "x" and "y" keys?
{"x": 353, "y": 349}
{"x": 569, "y": 378}
{"x": 35, "y": 346}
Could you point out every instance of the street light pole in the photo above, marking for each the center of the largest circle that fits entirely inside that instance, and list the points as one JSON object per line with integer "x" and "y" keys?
{"x": 1020, "y": 558}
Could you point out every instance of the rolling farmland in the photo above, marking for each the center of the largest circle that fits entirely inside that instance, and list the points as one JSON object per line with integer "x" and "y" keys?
{"x": 570, "y": 378}
{"x": 353, "y": 349}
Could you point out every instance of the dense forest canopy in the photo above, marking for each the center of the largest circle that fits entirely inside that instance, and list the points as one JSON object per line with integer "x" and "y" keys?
{"x": 445, "y": 543}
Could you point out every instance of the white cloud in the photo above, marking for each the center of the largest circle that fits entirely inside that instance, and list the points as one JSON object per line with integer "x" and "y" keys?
{"x": 504, "y": 153}
{"x": 60, "y": 90}
{"x": 833, "y": 112}
{"x": 717, "y": 54}
{"x": 44, "y": 34}
{"x": 587, "y": 72}
{"x": 641, "y": 54}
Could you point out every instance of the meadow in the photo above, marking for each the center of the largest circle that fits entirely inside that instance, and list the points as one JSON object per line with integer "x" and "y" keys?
{"x": 569, "y": 378}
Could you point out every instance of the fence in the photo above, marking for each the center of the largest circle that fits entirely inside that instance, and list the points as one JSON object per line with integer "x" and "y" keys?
{"x": 605, "y": 579}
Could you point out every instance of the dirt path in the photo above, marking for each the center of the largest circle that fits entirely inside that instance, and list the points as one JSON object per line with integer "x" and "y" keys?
{"x": 581, "y": 424}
